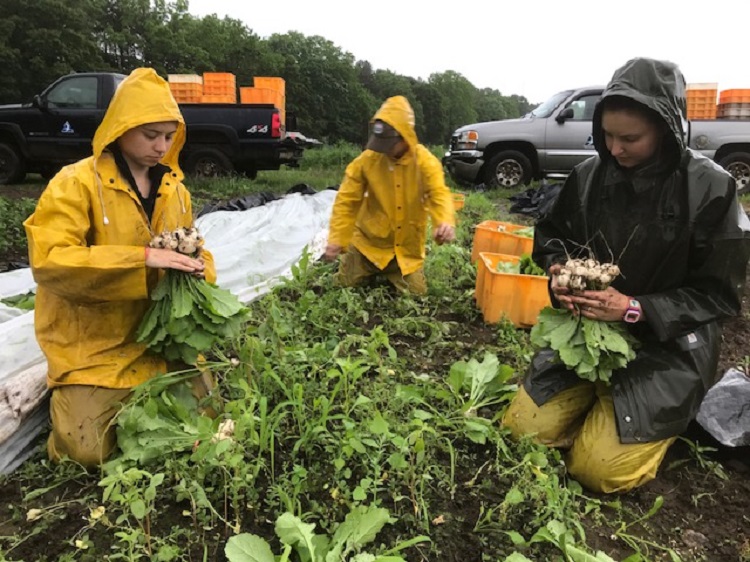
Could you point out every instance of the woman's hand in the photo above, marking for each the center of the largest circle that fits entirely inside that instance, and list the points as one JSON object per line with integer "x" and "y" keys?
{"x": 608, "y": 305}
{"x": 170, "y": 259}
{"x": 332, "y": 252}
{"x": 444, "y": 233}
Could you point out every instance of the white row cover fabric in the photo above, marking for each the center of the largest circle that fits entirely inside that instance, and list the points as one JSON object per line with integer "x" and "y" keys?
{"x": 254, "y": 250}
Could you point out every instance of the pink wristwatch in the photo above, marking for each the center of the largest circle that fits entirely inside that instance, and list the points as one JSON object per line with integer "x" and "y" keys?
{"x": 633, "y": 312}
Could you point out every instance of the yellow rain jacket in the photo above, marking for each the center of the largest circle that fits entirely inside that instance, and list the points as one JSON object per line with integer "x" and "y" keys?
{"x": 383, "y": 204}
{"x": 86, "y": 246}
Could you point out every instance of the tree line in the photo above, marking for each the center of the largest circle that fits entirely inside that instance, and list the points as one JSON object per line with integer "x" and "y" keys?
{"x": 331, "y": 94}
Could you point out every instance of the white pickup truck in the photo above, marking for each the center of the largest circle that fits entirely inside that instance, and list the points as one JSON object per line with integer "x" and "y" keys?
{"x": 554, "y": 137}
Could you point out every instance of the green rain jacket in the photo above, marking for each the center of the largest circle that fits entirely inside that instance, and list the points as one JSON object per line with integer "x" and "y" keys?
{"x": 681, "y": 240}
{"x": 87, "y": 240}
{"x": 382, "y": 206}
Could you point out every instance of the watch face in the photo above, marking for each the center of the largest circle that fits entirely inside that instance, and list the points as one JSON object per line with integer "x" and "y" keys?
{"x": 632, "y": 315}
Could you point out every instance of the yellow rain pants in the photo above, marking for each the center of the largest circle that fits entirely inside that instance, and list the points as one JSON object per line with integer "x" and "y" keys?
{"x": 355, "y": 269}
{"x": 582, "y": 419}
{"x": 82, "y": 419}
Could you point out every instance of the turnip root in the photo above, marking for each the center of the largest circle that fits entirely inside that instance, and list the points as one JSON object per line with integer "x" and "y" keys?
{"x": 586, "y": 274}
{"x": 187, "y": 241}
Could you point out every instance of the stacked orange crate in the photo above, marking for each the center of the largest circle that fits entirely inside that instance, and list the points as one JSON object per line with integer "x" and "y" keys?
{"x": 186, "y": 88}
{"x": 278, "y": 85}
{"x": 734, "y": 104}
{"x": 701, "y": 100}
{"x": 219, "y": 87}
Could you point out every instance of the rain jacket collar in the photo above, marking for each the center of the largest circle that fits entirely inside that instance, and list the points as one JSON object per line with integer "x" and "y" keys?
{"x": 398, "y": 113}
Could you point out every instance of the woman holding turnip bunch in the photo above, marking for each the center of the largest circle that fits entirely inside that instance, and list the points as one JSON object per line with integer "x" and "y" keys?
{"x": 88, "y": 246}
{"x": 667, "y": 222}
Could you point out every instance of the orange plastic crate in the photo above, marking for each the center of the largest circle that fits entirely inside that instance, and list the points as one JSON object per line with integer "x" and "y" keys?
{"x": 518, "y": 297}
{"x": 271, "y": 83}
{"x": 218, "y": 98}
{"x": 261, "y": 95}
{"x": 498, "y": 237}
{"x": 702, "y": 113}
{"x": 701, "y": 104}
{"x": 219, "y": 77}
{"x": 734, "y": 96}
{"x": 459, "y": 199}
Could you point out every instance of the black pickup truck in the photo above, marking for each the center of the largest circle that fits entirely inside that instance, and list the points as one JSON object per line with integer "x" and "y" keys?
{"x": 57, "y": 126}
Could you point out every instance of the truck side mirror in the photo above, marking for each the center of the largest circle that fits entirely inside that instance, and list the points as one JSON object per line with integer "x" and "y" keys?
{"x": 564, "y": 115}
{"x": 36, "y": 101}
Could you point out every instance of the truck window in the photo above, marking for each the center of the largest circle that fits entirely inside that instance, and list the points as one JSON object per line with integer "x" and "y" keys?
{"x": 583, "y": 107}
{"x": 74, "y": 93}
{"x": 546, "y": 109}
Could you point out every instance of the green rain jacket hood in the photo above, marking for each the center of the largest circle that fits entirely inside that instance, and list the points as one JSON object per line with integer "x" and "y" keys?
{"x": 87, "y": 239}
{"x": 682, "y": 242}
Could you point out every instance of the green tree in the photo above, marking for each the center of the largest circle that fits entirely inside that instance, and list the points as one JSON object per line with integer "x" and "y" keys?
{"x": 41, "y": 40}
{"x": 323, "y": 89}
{"x": 434, "y": 127}
{"x": 455, "y": 91}
{"x": 491, "y": 105}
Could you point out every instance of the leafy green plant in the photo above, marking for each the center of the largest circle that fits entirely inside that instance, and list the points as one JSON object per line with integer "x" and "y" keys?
{"x": 24, "y": 302}
{"x": 591, "y": 348}
{"x": 188, "y": 316}
{"x": 556, "y": 533}
{"x": 528, "y": 267}
{"x": 360, "y": 528}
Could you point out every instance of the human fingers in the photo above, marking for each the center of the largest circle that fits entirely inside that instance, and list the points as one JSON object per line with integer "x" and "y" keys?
{"x": 170, "y": 259}
{"x": 332, "y": 251}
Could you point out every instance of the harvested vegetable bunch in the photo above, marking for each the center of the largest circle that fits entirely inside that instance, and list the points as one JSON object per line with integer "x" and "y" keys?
{"x": 188, "y": 314}
{"x": 591, "y": 348}
{"x": 528, "y": 267}
{"x": 524, "y": 266}
{"x": 508, "y": 267}
{"x": 527, "y": 232}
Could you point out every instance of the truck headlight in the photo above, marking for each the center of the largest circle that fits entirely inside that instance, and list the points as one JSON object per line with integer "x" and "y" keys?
{"x": 467, "y": 140}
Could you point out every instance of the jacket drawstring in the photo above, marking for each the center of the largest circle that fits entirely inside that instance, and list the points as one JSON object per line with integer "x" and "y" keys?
{"x": 100, "y": 187}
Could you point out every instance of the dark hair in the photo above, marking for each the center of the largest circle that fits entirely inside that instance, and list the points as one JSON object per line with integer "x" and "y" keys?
{"x": 624, "y": 103}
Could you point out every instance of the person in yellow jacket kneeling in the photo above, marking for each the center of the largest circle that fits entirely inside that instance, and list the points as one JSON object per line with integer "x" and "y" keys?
{"x": 379, "y": 218}
{"x": 88, "y": 249}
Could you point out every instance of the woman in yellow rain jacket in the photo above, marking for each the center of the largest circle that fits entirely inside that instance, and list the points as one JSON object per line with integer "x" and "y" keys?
{"x": 88, "y": 250}
{"x": 381, "y": 209}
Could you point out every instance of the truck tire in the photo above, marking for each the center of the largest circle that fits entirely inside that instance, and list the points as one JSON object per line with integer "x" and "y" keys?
{"x": 49, "y": 172}
{"x": 738, "y": 164}
{"x": 208, "y": 163}
{"x": 12, "y": 168}
{"x": 508, "y": 169}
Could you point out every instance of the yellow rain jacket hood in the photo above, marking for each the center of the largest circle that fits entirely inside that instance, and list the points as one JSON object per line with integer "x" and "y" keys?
{"x": 383, "y": 204}
{"x": 86, "y": 247}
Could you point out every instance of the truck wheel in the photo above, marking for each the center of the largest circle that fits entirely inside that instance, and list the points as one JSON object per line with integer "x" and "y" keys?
{"x": 738, "y": 164}
{"x": 508, "y": 169}
{"x": 12, "y": 169}
{"x": 49, "y": 172}
{"x": 208, "y": 163}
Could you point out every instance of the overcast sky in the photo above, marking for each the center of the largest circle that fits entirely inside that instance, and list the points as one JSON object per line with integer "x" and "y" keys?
{"x": 529, "y": 48}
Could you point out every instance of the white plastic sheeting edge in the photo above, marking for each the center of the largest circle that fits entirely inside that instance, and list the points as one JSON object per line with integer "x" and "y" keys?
{"x": 254, "y": 250}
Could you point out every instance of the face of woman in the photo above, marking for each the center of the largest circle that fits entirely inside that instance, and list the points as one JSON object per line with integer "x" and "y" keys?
{"x": 631, "y": 137}
{"x": 144, "y": 146}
